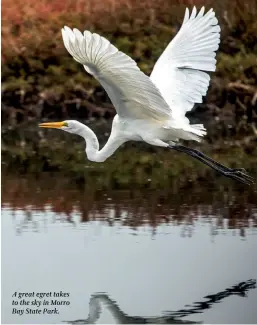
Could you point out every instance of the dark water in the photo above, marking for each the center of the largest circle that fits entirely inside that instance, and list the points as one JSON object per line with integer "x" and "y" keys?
{"x": 129, "y": 257}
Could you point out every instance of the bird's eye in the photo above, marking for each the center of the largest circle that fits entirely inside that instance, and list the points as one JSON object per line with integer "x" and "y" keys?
{"x": 65, "y": 124}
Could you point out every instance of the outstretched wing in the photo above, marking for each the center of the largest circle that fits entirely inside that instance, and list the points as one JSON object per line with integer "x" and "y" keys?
{"x": 132, "y": 93}
{"x": 178, "y": 73}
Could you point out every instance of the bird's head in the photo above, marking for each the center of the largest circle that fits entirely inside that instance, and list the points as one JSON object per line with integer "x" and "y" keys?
{"x": 70, "y": 126}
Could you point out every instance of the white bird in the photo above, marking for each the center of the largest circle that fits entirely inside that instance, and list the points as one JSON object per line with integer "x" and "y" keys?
{"x": 151, "y": 109}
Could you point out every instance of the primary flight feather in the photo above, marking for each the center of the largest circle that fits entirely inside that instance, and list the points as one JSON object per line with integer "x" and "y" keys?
{"x": 151, "y": 109}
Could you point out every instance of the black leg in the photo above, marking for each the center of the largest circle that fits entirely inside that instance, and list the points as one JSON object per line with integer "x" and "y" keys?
{"x": 201, "y": 154}
{"x": 228, "y": 172}
{"x": 237, "y": 171}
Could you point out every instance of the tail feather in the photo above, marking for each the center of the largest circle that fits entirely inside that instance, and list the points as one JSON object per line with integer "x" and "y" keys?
{"x": 199, "y": 131}
{"x": 199, "y": 127}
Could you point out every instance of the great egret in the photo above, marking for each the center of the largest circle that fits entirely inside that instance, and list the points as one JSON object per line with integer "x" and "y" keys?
{"x": 151, "y": 109}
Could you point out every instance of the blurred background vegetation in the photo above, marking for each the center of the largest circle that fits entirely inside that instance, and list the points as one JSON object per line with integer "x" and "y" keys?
{"x": 40, "y": 81}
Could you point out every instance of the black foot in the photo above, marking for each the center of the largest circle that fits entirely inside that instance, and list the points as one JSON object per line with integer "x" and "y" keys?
{"x": 240, "y": 176}
{"x": 241, "y": 172}
{"x": 238, "y": 170}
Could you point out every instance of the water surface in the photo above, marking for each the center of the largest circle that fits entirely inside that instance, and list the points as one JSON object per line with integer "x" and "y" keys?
{"x": 130, "y": 257}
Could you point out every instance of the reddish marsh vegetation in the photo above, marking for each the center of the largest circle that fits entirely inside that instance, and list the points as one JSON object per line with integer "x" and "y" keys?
{"x": 41, "y": 80}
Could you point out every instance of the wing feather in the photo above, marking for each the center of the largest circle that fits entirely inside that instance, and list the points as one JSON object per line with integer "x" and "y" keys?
{"x": 132, "y": 93}
{"x": 179, "y": 72}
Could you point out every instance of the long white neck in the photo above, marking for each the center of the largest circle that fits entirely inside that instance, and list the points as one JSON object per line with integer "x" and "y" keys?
{"x": 92, "y": 144}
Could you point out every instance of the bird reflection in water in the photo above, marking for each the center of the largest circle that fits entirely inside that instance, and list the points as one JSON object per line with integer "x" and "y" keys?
{"x": 100, "y": 301}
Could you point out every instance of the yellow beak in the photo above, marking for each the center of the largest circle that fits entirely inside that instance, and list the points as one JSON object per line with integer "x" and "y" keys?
{"x": 54, "y": 125}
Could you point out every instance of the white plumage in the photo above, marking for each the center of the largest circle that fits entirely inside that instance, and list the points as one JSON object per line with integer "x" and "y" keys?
{"x": 177, "y": 80}
{"x": 130, "y": 90}
{"x": 179, "y": 71}
{"x": 150, "y": 109}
